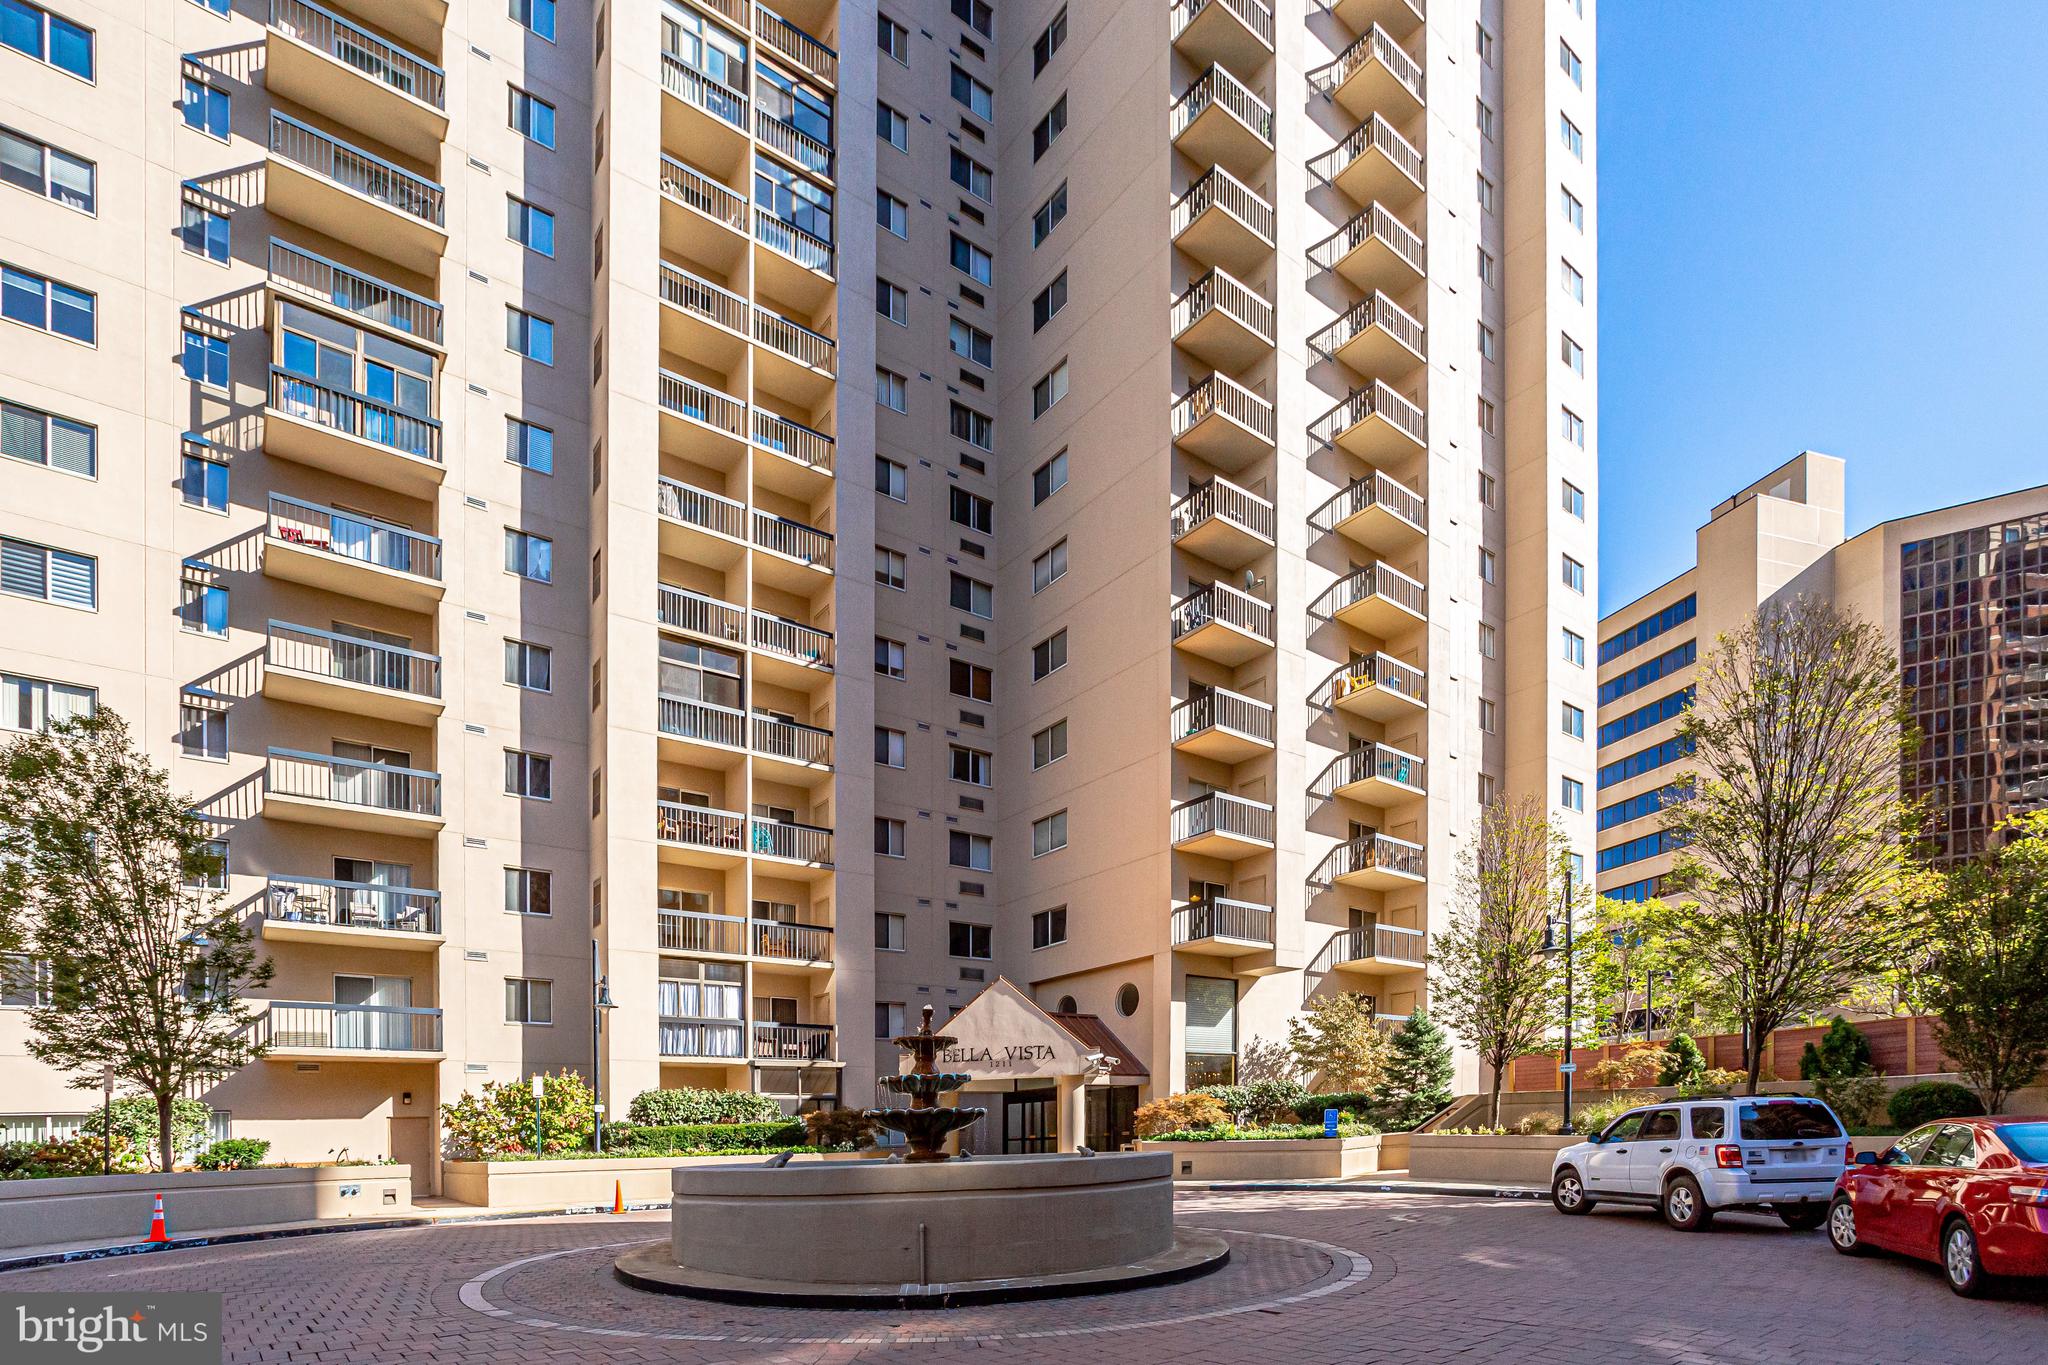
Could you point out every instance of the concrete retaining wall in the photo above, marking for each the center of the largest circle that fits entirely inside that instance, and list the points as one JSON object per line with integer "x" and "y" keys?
{"x": 1284, "y": 1159}
{"x": 1507, "y": 1160}
{"x": 89, "y": 1210}
{"x": 574, "y": 1183}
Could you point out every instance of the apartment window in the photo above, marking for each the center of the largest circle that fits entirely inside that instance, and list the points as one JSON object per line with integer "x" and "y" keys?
{"x": 202, "y": 731}
{"x": 47, "y": 37}
{"x": 1482, "y": 43}
{"x": 203, "y": 232}
{"x": 529, "y": 666}
{"x": 1572, "y": 720}
{"x": 529, "y": 774}
{"x": 42, "y": 169}
{"x": 1573, "y": 282}
{"x": 1574, "y": 574}
{"x": 1574, "y": 499}
{"x": 973, "y": 96}
{"x": 1049, "y": 655}
{"x": 1489, "y": 490}
{"x": 32, "y": 704}
{"x": 1049, "y": 128}
{"x": 529, "y": 1000}
{"x": 1049, "y": 478}
{"x": 977, "y": 15}
{"x": 48, "y": 305}
{"x": 889, "y": 935}
{"x": 888, "y": 657}
{"x": 1574, "y": 211}
{"x": 1048, "y": 43}
{"x": 1049, "y": 301}
{"x": 214, "y": 877}
{"x": 977, "y": 429}
{"x": 1049, "y": 390}
{"x": 1049, "y": 745}
{"x": 971, "y": 510}
{"x": 530, "y": 225}
{"x": 1049, "y": 568}
{"x": 1572, "y": 427}
{"x": 207, "y": 108}
{"x": 1486, "y": 342}
{"x": 1571, "y": 793}
{"x": 971, "y": 681}
{"x": 889, "y": 1017}
{"x": 1485, "y": 194}
{"x": 969, "y": 940}
{"x": 888, "y": 838}
{"x": 1048, "y": 927}
{"x": 1486, "y": 565}
{"x": 532, "y": 117}
{"x": 892, "y": 480}
{"x": 1574, "y": 647}
{"x": 973, "y": 596}
{"x": 892, "y": 127}
{"x": 1485, "y": 119}
{"x": 203, "y": 482}
{"x": 970, "y": 175}
{"x": 31, "y": 570}
{"x": 891, "y": 567}
{"x": 529, "y": 335}
{"x": 892, "y": 38}
{"x": 529, "y": 556}
{"x": 892, "y": 390}
{"x": 1049, "y": 215}
{"x": 1569, "y": 63}
{"x": 892, "y": 215}
{"x": 530, "y": 446}
{"x": 1489, "y": 789}
{"x": 529, "y": 891}
{"x": 204, "y": 358}
{"x": 1488, "y": 418}
{"x": 971, "y": 261}
{"x": 1571, "y": 353}
{"x": 975, "y": 851}
{"x": 889, "y": 747}
{"x": 1489, "y": 269}
{"x": 1489, "y": 641}
{"x": 971, "y": 766}
{"x": 537, "y": 16}
{"x": 43, "y": 438}
{"x": 1049, "y": 834}
{"x": 1569, "y": 134}
{"x": 203, "y": 608}
{"x": 971, "y": 343}
{"x": 892, "y": 302}
{"x": 1488, "y": 716}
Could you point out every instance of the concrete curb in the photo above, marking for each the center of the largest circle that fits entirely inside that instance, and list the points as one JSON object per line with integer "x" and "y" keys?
{"x": 1379, "y": 1187}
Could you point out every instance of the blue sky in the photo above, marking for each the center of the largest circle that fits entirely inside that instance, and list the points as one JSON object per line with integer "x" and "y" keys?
{"x": 1822, "y": 227}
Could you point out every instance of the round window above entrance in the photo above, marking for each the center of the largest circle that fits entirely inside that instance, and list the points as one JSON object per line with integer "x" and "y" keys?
{"x": 1066, "y": 1006}
{"x": 1127, "y": 1000}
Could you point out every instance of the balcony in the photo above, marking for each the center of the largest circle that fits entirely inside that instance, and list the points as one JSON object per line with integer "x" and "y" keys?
{"x": 1376, "y": 338}
{"x": 699, "y": 525}
{"x": 1222, "y": 423}
{"x": 715, "y": 1040}
{"x": 810, "y": 1044}
{"x": 1376, "y": 687}
{"x": 365, "y": 298}
{"x": 1222, "y": 322}
{"x": 699, "y": 214}
{"x": 792, "y": 752}
{"x": 298, "y": 1030}
{"x": 316, "y": 58}
{"x": 1223, "y": 524}
{"x": 1377, "y": 514}
{"x": 352, "y": 195}
{"x": 1222, "y": 221}
{"x": 1377, "y": 599}
{"x": 345, "y": 433}
{"x": 416, "y": 22}
{"x": 702, "y": 119}
{"x": 700, "y": 836}
{"x": 354, "y": 555}
{"x": 791, "y": 262}
{"x": 1375, "y": 75}
{"x": 1375, "y": 862}
{"x": 1373, "y": 162}
{"x": 702, "y": 424}
{"x": 1398, "y": 17}
{"x": 703, "y": 320}
{"x": 1218, "y": 121}
{"x": 1219, "y": 825}
{"x": 693, "y": 726}
{"x": 1373, "y": 949}
{"x": 1222, "y": 725}
{"x": 1223, "y": 625}
{"x": 1220, "y": 927}
{"x": 699, "y": 934}
{"x": 802, "y": 947}
{"x": 802, "y": 851}
{"x": 351, "y": 914}
{"x": 792, "y": 361}
{"x": 350, "y": 793}
{"x": 1373, "y": 775}
{"x": 793, "y": 145}
{"x": 789, "y": 554}
{"x": 1375, "y": 250}
{"x": 1374, "y": 423}
{"x": 1238, "y": 33}
{"x": 799, "y": 459}
{"x": 795, "y": 46}
{"x": 693, "y": 613}
{"x": 789, "y": 652}
{"x": 345, "y": 673}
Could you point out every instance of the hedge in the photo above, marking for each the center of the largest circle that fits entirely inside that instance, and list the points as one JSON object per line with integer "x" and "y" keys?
{"x": 1310, "y": 1109}
{"x": 627, "y": 1139}
{"x": 1914, "y": 1105}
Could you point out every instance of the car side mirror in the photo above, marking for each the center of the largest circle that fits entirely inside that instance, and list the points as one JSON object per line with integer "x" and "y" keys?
{"x": 1869, "y": 1159}
{"x": 1595, "y": 1138}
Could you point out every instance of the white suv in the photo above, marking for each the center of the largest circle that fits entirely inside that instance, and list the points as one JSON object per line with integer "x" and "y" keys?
{"x": 1693, "y": 1158}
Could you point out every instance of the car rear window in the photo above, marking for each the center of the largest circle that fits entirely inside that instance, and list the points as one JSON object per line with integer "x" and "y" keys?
{"x": 2028, "y": 1141}
{"x": 1709, "y": 1121}
{"x": 1781, "y": 1120}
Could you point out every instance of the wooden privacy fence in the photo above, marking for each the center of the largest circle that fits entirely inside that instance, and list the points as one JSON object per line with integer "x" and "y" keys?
{"x": 1899, "y": 1046}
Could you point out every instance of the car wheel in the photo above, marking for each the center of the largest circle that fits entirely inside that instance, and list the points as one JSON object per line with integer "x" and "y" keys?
{"x": 1685, "y": 1208}
{"x": 1568, "y": 1193}
{"x": 1960, "y": 1262}
{"x": 1842, "y": 1227}
{"x": 1805, "y": 1217}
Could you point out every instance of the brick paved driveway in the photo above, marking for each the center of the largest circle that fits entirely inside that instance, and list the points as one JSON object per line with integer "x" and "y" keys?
{"x": 1315, "y": 1277}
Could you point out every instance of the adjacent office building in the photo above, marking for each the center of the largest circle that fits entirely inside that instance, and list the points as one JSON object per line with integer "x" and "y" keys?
{"x": 447, "y": 434}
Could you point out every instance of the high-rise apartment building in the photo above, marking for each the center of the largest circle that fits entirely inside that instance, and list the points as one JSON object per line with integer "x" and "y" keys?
{"x": 446, "y": 432}
{"x": 1959, "y": 590}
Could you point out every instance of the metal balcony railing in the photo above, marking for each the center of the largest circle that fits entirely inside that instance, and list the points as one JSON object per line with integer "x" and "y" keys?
{"x": 1378, "y": 311}
{"x": 798, "y": 442}
{"x": 406, "y": 72}
{"x": 1221, "y": 917}
{"x": 792, "y": 741}
{"x": 800, "y": 245}
{"x": 700, "y": 826}
{"x": 1222, "y": 813}
{"x": 354, "y": 415}
{"x": 352, "y": 905}
{"x": 1369, "y": 942}
{"x": 1366, "y": 763}
{"x": 793, "y": 640}
{"x": 1377, "y": 399}
{"x": 363, "y": 296}
{"x": 1373, "y": 46}
{"x": 698, "y": 507}
{"x": 350, "y": 659}
{"x": 352, "y": 168}
{"x": 347, "y": 535}
{"x": 1217, "y": 86}
{"x": 1374, "y": 580}
{"x": 1253, "y": 15}
{"x": 792, "y": 942}
{"x": 700, "y": 403}
{"x": 1221, "y": 709}
{"x": 293, "y": 1024}
{"x": 1218, "y": 499}
{"x": 701, "y": 298}
{"x": 352, "y": 782}
{"x": 790, "y": 338}
{"x": 1371, "y": 222}
{"x": 681, "y": 609}
{"x": 793, "y": 1042}
{"x": 690, "y": 186}
{"x": 1218, "y": 188}
{"x": 799, "y": 146}
{"x": 1373, "y": 671}
{"x": 787, "y": 839}
{"x": 1219, "y": 292}
{"x": 1377, "y": 491}
{"x": 782, "y": 536}
{"x": 1223, "y": 603}
{"x": 725, "y": 1038}
{"x": 785, "y": 38}
{"x": 1219, "y": 393}
{"x": 1366, "y": 852}
{"x": 1375, "y": 134}
{"x": 694, "y": 931}
{"x": 688, "y": 718}
{"x": 694, "y": 88}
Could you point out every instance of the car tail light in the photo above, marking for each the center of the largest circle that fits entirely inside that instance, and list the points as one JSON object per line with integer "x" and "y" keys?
{"x": 2029, "y": 1194}
{"x": 1728, "y": 1157}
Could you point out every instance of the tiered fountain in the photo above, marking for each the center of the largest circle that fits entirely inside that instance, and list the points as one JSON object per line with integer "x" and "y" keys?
{"x": 922, "y": 1230}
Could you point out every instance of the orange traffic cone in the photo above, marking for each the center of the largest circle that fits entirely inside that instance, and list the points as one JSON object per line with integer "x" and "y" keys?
{"x": 157, "y": 1232}
{"x": 618, "y": 1196}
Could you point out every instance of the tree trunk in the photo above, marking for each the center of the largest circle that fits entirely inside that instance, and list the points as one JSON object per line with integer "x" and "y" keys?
{"x": 163, "y": 1130}
{"x": 1756, "y": 1054}
{"x": 1493, "y": 1100}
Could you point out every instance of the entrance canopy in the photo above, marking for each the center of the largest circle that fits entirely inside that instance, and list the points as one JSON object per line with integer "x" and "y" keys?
{"x": 1002, "y": 1035}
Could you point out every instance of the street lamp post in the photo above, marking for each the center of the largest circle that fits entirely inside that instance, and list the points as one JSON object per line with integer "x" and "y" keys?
{"x": 1556, "y": 941}
{"x": 600, "y": 1005}
{"x": 106, "y": 1120}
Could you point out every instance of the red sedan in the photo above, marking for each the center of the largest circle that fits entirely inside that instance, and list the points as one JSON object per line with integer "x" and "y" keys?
{"x": 1970, "y": 1194}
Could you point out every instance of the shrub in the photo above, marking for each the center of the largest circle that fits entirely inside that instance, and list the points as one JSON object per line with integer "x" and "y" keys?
{"x": 17, "y": 1159}
{"x": 702, "y": 1138}
{"x": 1289, "y": 1131}
{"x": 1930, "y": 1100}
{"x": 1270, "y": 1101}
{"x": 500, "y": 1117}
{"x": 1349, "y": 1104}
{"x": 1179, "y": 1113}
{"x": 1843, "y": 1051}
{"x": 1858, "y": 1100}
{"x": 1471, "y": 1130}
{"x": 1638, "y": 1066}
{"x": 83, "y": 1155}
{"x": 1542, "y": 1122}
{"x": 233, "y": 1154}
{"x": 840, "y": 1130}
{"x": 1713, "y": 1080}
{"x": 688, "y": 1104}
{"x": 135, "y": 1118}
{"x": 1594, "y": 1117}
{"x": 1683, "y": 1061}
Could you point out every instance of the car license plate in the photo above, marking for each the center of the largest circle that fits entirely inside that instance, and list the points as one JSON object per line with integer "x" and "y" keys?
{"x": 1797, "y": 1155}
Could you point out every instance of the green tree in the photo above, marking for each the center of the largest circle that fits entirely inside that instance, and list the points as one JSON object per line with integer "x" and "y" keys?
{"x": 1336, "y": 1039}
{"x": 1685, "y": 1062}
{"x": 1496, "y": 987}
{"x": 1790, "y": 886}
{"x": 1416, "y": 1081}
{"x": 1843, "y": 1051}
{"x": 107, "y": 882}
{"x": 1986, "y": 977}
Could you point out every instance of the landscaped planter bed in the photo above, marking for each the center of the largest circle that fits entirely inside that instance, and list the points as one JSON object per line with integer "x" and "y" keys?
{"x": 579, "y": 1181}
{"x": 1284, "y": 1158}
